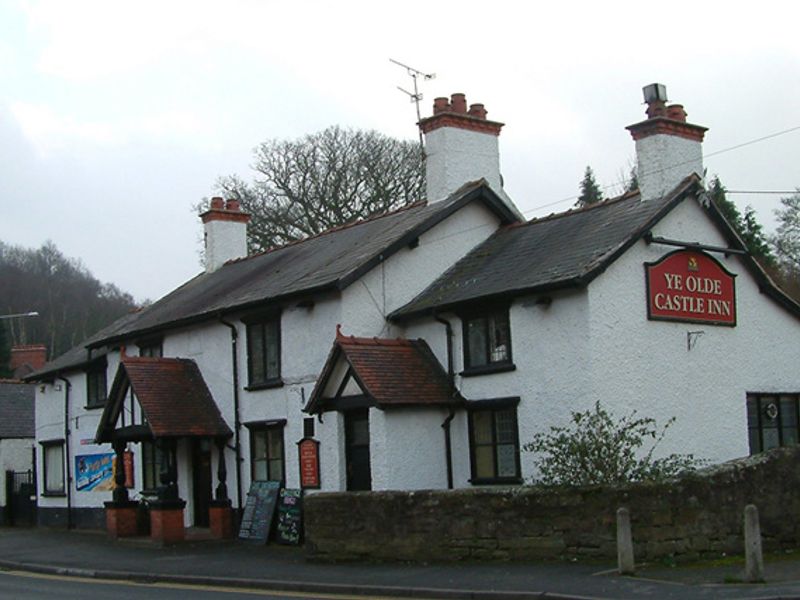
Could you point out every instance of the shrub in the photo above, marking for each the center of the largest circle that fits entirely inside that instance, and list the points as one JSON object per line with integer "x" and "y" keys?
{"x": 598, "y": 448}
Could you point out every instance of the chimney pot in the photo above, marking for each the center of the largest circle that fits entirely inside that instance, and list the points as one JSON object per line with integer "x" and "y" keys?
{"x": 656, "y": 108}
{"x": 233, "y": 205}
{"x": 458, "y": 103}
{"x": 676, "y": 113}
{"x": 440, "y": 105}
{"x": 217, "y": 203}
{"x": 478, "y": 111}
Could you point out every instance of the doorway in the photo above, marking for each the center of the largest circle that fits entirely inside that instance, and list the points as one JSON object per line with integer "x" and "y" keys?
{"x": 356, "y": 440}
{"x": 201, "y": 480}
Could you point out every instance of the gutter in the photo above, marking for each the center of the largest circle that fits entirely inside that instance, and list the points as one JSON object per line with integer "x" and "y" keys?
{"x": 237, "y": 423}
{"x": 67, "y": 476}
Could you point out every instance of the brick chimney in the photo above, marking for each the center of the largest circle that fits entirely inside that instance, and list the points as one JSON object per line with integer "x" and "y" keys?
{"x": 225, "y": 233}
{"x": 668, "y": 149}
{"x": 461, "y": 145}
{"x": 27, "y": 359}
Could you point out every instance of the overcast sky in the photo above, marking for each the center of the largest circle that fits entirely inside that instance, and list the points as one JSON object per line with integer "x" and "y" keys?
{"x": 117, "y": 117}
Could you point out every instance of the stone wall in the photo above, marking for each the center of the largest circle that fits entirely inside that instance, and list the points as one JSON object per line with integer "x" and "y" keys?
{"x": 697, "y": 515}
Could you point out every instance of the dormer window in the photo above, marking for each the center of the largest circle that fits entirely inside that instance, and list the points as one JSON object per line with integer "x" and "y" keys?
{"x": 96, "y": 390}
{"x": 264, "y": 351}
{"x": 487, "y": 342}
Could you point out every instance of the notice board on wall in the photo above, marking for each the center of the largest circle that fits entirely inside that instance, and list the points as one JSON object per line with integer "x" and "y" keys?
{"x": 290, "y": 517}
{"x": 259, "y": 511}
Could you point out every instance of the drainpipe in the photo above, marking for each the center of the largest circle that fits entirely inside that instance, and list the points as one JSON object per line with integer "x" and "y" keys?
{"x": 451, "y": 378}
{"x": 67, "y": 476}
{"x": 237, "y": 424}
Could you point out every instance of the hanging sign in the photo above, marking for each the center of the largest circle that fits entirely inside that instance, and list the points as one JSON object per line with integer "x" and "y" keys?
{"x": 308, "y": 450}
{"x": 690, "y": 286}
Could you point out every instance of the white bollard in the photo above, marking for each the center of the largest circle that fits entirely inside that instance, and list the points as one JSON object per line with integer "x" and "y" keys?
{"x": 753, "y": 557}
{"x": 624, "y": 542}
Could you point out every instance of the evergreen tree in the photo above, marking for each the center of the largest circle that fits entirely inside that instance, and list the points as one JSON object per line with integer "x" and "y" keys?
{"x": 632, "y": 183}
{"x": 747, "y": 227}
{"x": 590, "y": 191}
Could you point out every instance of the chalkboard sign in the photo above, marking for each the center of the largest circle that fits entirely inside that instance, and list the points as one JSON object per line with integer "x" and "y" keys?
{"x": 259, "y": 510}
{"x": 290, "y": 517}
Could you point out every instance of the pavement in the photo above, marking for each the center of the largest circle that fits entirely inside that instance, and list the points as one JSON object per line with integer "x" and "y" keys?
{"x": 239, "y": 564}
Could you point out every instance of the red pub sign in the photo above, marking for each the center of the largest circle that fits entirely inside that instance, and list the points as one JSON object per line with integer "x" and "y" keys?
{"x": 309, "y": 463}
{"x": 690, "y": 286}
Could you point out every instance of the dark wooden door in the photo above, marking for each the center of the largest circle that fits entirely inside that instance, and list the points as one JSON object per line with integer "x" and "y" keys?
{"x": 201, "y": 480}
{"x": 356, "y": 439}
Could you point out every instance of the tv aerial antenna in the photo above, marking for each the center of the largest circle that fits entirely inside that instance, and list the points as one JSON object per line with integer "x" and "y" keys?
{"x": 416, "y": 95}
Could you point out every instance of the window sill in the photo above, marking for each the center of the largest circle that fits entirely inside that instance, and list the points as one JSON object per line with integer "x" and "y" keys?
{"x": 488, "y": 369}
{"x": 497, "y": 481}
{"x": 54, "y": 495}
{"x": 265, "y": 385}
{"x": 94, "y": 406}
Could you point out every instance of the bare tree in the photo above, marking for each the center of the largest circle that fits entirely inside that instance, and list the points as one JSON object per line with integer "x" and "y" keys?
{"x": 336, "y": 176}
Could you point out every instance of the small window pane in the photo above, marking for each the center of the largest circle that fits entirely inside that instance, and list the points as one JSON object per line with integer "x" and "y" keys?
{"x": 506, "y": 426}
{"x": 273, "y": 350}
{"x": 476, "y": 334}
{"x": 499, "y": 338}
{"x": 276, "y": 470}
{"x": 506, "y": 461}
{"x": 482, "y": 427}
{"x": 260, "y": 470}
{"x": 54, "y": 468}
{"x": 788, "y": 420}
{"x": 484, "y": 462}
{"x": 255, "y": 342}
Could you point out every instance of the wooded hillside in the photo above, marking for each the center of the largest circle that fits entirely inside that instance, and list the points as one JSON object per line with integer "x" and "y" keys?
{"x": 71, "y": 303}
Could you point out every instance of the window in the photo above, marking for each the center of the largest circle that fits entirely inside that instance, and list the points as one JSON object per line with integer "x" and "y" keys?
{"x": 152, "y": 461}
{"x": 264, "y": 352}
{"x": 266, "y": 451}
{"x": 152, "y": 349}
{"x": 487, "y": 342}
{"x": 772, "y": 420}
{"x": 494, "y": 441}
{"x": 96, "y": 384}
{"x": 53, "y": 453}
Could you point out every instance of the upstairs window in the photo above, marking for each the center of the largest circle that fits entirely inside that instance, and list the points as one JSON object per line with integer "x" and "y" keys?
{"x": 96, "y": 384}
{"x": 487, "y": 342}
{"x": 264, "y": 352}
{"x": 772, "y": 421}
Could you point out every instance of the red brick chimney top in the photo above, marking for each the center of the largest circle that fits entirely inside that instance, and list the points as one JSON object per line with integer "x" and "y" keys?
{"x": 454, "y": 113}
{"x": 27, "y": 359}
{"x": 225, "y": 210}
{"x": 666, "y": 119}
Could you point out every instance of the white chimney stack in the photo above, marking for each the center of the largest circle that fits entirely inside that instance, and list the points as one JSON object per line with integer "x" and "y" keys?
{"x": 225, "y": 233}
{"x": 668, "y": 149}
{"x": 461, "y": 146}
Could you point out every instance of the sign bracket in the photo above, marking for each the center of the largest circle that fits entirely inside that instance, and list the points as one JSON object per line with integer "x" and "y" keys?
{"x": 651, "y": 239}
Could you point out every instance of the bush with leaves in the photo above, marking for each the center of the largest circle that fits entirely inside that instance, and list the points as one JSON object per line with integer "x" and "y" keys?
{"x": 599, "y": 448}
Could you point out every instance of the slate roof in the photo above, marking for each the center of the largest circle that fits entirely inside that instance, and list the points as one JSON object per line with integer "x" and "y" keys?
{"x": 329, "y": 261}
{"x": 395, "y": 372}
{"x": 173, "y": 395}
{"x": 563, "y": 250}
{"x": 16, "y": 409}
{"x": 80, "y": 355}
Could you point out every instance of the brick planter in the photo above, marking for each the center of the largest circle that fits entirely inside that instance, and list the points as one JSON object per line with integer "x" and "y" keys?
{"x": 220, "y": 517}
{"x": 121, "y": 519}
{"x": 166, "y": 521}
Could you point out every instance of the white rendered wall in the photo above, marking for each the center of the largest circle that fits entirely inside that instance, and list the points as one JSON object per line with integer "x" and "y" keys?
{"x": 408, "y": 272}
{"x": 224, "y": 241}
{"x": 663, "y": 161}
{"x": 407, "y": 449}
{"x": 646, "y": 364}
